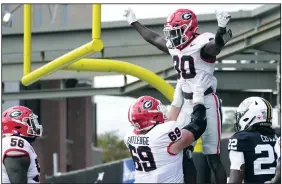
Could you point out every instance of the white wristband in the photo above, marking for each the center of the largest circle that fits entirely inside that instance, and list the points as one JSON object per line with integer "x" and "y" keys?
{"x": 198, "y": 96}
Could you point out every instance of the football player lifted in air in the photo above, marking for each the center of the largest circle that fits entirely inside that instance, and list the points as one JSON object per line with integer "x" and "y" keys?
{"x": 251, "y": 149}
{"x": 19, "y": 161}
{"x": 193, "y": 55}
{"x": 156, "y": 144}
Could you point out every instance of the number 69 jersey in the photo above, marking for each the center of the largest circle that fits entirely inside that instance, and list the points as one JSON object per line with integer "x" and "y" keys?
{"x": 190, "y": 63}
{"x": 17, "y": 146}
{"x": 153, "y": 162}
{"x": 257, "y": 153}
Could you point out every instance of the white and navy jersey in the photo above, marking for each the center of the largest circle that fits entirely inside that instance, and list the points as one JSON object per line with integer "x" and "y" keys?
{"x": 277, "y": 147}
{"x": 260, "y": 156}
{"x": 190, "y": 64}
{"x": 153, "y": 162}
{"x": 17, "y": 146}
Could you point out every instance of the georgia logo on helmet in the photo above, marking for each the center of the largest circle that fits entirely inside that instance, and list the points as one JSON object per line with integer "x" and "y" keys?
{"x": 146, "y": 112}
{"x": 253, "y": 111}
{"x": 21, "y": 121}
{"x": 180, "y": 28}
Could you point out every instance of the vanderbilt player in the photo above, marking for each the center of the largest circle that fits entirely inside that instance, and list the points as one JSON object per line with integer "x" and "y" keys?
{"x": 277, "y": 177}
{"x": 19, "y": 160}
{"x": 193, "y": 55}
{"x": 252, "y": 154}
{"x": 155, "y": 145}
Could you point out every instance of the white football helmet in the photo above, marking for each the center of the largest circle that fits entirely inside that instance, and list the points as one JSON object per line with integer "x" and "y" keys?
{"x": 253, "y": 110}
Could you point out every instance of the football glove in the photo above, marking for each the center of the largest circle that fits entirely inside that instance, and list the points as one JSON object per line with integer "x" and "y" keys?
{"x": 222, "y": 18}
{"x": 130, "y": 16}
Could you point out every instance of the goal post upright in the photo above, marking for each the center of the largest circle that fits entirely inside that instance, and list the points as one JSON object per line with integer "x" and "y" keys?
{"x": 95, "y": 45}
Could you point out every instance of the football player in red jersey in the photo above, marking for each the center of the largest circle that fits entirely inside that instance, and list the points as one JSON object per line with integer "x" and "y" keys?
{"x": 156, "y": 144}
{"x": 19, "y": 161}
{"x": 193, "y": 55}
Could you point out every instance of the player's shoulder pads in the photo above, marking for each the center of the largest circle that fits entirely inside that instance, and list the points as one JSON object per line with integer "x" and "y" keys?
{"x": 240, "y": 141}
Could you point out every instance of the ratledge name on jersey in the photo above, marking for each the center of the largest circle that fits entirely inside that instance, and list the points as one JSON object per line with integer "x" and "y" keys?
{"x": 138, "y": 140}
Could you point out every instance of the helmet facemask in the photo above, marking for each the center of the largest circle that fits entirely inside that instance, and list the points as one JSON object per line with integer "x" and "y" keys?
{"x": 179, "y": 35}
{"x": 34, "y": 128}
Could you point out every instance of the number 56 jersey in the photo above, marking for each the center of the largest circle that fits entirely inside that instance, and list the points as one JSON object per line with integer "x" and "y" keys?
{"x": 153, "y": 162}
{"x": 17, "y": 146}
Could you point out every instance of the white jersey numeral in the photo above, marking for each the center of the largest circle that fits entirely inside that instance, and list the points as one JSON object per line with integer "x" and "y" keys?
{"x": 258, "y": 170}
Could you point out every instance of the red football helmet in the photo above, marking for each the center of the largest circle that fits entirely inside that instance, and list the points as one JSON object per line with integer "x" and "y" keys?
{"x": 146, "y": 112}
{"x": 180, "y": 26}
{"x": 21, "y": 121}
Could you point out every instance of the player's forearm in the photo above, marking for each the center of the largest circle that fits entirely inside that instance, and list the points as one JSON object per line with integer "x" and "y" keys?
{"x": 186, "y": 140}
{"x": 151, "y": 36}
{"x": 146, "y": 33}
{"x": 173, "y": 113}
{"x": 192, "y": 131}
{"x": 214, "y": 47}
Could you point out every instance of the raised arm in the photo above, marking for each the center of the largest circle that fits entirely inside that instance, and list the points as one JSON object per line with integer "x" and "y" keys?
{"x": 147, "y": 34}
{"x": 214, "y": 47}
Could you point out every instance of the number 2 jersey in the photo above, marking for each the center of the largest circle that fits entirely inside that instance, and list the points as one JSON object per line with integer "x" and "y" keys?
{"x": 153, "y": 162}
{"x": 277, "y": 147}
{"x": 259, "y": 154}
{"x": 17, "y": 146}
{"x": 190, "y": 63}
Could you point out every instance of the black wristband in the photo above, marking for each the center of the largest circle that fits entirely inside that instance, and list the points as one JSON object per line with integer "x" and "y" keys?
{"x": 222, "y": 36}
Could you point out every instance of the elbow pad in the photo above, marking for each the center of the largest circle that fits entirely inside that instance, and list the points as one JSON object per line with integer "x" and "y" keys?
{"x": 198, "y": 121}
{"x": 222, "y": 36}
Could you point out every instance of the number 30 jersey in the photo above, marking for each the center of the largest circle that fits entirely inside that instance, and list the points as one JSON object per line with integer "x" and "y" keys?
{"x": 17, "y": 146}
{"x": 153, "y": 162}
{"x": 190, "y": 63}
{"x": 259, "y": 154}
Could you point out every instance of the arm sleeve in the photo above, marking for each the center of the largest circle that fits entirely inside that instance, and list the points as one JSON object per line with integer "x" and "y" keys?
{"x": 236, "y": 159}
{"x": 151, "y": 36}
{"x": 215, "y": 46}
{"x": 207, "y": 39}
